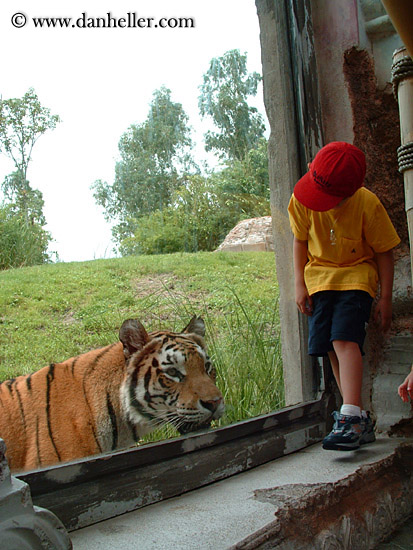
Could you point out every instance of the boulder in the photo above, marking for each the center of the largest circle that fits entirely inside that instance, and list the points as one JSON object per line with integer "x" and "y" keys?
{"x": 252, "y": 234}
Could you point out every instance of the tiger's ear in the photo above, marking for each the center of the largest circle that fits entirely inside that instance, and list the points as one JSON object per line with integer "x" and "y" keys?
{"x": 133, "y": 336}
{"x": 196, "y": 326}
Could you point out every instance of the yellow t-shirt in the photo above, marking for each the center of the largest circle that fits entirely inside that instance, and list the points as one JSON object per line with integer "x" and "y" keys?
{"x": 342, "y": 242}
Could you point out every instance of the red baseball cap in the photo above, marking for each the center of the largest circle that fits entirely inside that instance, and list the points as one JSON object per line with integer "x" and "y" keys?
{"x": 336, "y": 173}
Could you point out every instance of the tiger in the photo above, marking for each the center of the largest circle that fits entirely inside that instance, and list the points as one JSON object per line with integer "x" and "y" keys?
{"x": 107, "y": 399}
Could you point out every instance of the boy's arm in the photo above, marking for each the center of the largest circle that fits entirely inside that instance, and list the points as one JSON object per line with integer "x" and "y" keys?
{"x": 302, "y": 298}
{"x": 385, "y": 264}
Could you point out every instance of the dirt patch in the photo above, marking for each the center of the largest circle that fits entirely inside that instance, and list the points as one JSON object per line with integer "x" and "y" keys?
{"x": 69, "y": 318}
{"x": 167, "y": 284}
{"x": 166, "y": 296}
{"x": 155, "y": 284}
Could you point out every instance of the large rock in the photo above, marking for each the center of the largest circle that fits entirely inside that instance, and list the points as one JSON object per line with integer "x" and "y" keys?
{"x": 252, "y": 234}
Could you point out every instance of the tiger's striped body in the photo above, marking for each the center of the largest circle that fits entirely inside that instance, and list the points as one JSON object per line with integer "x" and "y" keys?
{"x": 107, "y": 398}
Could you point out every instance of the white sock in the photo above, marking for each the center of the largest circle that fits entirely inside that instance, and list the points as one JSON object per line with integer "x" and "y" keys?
{"x": 350, "y": 410}
{"x": 363, "y": 414}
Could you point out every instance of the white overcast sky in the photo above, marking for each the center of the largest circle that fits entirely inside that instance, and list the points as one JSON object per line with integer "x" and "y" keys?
{"x": 100, "y": 81}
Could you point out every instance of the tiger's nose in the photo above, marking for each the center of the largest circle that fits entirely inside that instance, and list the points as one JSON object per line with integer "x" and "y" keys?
{"x": 212, "y": 404}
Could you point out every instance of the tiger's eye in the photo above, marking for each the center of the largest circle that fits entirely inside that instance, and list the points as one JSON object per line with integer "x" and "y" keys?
{"x": 175, "y": 373}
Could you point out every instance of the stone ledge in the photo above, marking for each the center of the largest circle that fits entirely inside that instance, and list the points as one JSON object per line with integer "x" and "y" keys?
{"x": 358, "y": 511}
{"x": 233, "y": 512}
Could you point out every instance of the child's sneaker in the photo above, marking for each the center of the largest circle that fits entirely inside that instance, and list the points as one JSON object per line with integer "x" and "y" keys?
{"x": 367, "y": 427}
{"x": 345, "y": 435}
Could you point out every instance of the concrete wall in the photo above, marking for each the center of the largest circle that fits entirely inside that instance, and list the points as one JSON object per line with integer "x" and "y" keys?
{"x": 336, "y": 29}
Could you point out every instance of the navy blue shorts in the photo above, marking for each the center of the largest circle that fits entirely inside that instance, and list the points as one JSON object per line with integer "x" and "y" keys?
{"x": 338, "y": 315}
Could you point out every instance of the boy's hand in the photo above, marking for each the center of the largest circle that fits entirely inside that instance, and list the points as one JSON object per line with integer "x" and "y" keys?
{"x": 383, "y": 313}
{"x": 406, "y": 389}
{"x": 303, "y": 299}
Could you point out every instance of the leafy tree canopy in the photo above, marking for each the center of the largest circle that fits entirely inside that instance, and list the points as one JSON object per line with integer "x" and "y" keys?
{"x": 152, "y": 157}
{"x": 159, "y": 199}
{"x": 22, "y": 122}
{"x": 248, "y": 176}
{"x": 225, "y": 90}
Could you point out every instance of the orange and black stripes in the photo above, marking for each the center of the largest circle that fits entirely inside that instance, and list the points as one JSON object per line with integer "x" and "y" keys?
{"x": 104, "y": 399}
{"x": 113, "y": 422}
{"x": 49, "y": 382}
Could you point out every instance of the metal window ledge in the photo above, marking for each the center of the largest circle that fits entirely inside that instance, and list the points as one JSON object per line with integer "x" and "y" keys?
{"x": 95, "y": 489}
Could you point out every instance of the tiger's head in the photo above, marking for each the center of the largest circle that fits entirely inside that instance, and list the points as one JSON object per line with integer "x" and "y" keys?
{"x": 170, "y": 378}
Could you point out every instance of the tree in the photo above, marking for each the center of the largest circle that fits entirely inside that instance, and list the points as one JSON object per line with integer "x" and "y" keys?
{"x": 153, "y": 155}
{"x": 22, "y": 122}
{"x": 225, "y": 90}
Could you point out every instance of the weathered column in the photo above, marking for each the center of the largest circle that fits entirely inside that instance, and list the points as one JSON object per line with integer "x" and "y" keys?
{"x": 402, "y": 78}
{"x": 284, "y": 169}
{"x": 22, "y": 525}
{"x": 287, "y": 57}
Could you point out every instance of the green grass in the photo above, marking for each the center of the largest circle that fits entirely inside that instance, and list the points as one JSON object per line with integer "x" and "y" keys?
{"x": 52, "y": 312}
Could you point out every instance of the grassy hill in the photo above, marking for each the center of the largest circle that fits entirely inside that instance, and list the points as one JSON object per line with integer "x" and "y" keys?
{"x": 52, "y": 312}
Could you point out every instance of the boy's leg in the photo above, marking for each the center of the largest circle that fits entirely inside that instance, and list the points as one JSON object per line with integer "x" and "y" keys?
{"x": 336, "y": 369}
{"x": 350, "y": 317}
{"x": 320, "y": 325}
{"x": 354, "y": 388}
{"x": 351, "y": 312}
{"x": 347, "y": 365}
{"x": 350, "y": 367}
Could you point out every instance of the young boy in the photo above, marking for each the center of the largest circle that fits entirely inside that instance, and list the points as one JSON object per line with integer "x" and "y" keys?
{"x": 343, "y": 246}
